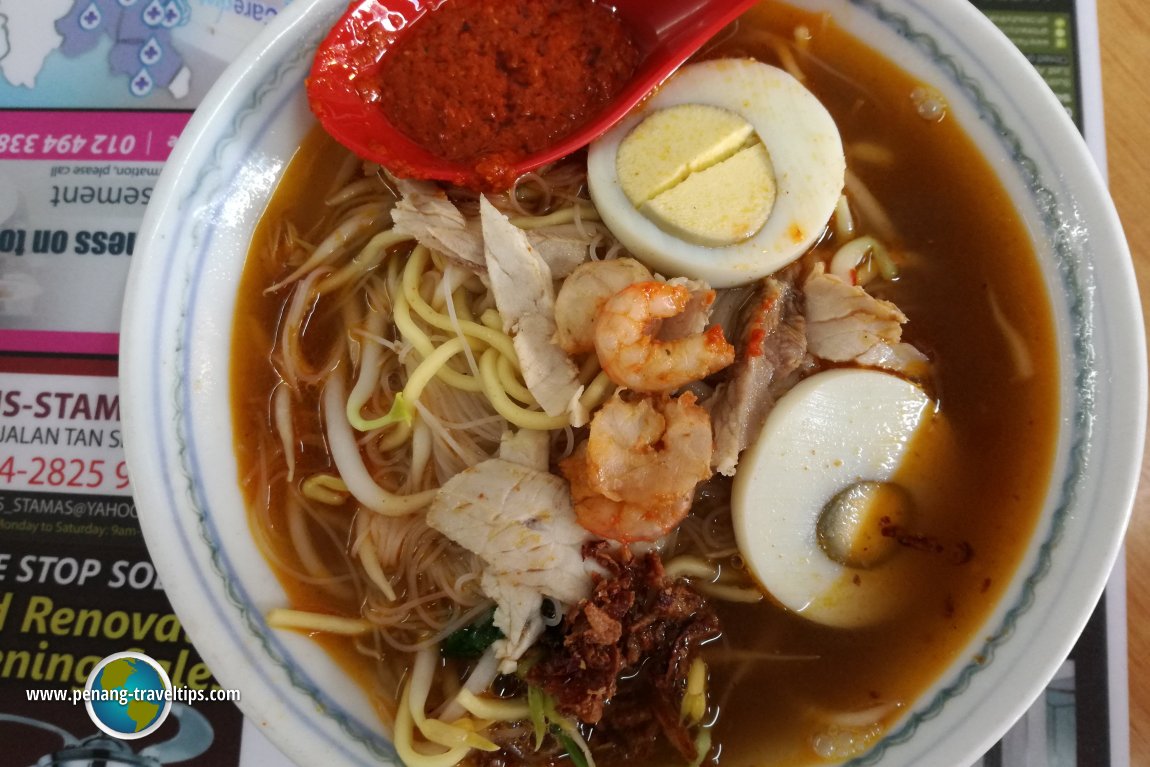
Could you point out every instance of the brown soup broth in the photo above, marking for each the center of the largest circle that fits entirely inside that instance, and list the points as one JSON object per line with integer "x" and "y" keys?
{"x": 977, "y": 480}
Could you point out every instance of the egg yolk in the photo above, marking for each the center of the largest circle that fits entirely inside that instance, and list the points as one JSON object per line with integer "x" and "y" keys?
{"x": 698, "y": 172}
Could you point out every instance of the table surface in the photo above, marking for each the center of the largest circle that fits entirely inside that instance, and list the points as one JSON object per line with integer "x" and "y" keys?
{"x": 1125, "y": 35}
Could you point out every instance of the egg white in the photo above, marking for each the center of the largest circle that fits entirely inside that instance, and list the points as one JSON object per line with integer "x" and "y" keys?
{"x": 805, "y": 149}
{"x": 832, "y": 430}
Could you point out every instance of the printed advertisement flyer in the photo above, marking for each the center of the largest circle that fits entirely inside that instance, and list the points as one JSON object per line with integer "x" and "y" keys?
{"x": 93, "y": 96}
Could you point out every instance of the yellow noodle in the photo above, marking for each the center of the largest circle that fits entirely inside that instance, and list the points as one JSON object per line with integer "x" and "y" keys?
{"x": 405, "y": 737}
{"x": 422, "y": 343}
{"x": 509, "y": 378}
{"x": 494, "y": 709}
{"x": 589, "y": 368}
{"x": 486, "y": 335}
{"x": 432, "y": 366}
{"x": 441, "y": 733}
{"x": 563, "y": 216}
{"x": 460, "y": 305}
{"x": 503, "y": 404}
{"x": 302, "y": 620}
{"x": 597, "y": 392}
{"x": 450, "y": 305}
{"x": 688, "y": 566}
{"x": 455, "y": 734}
{"x": 706, "y": 578}
{"x": 729, "y": 593}
{"x": 694, "y": 703}
{"x": 491, "y": 319}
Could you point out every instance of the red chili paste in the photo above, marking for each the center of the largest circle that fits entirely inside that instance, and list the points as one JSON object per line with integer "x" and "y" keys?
{"x": 486, "y": 82}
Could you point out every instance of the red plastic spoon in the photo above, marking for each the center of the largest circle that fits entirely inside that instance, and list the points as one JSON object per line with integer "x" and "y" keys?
{"x": 341, "y": 92}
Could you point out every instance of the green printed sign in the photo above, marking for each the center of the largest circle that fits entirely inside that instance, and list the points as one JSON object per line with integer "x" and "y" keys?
{"x": 1044, "y": 31}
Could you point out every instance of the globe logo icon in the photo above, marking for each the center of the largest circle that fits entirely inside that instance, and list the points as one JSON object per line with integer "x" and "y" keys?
{"x": 128, "y": 695}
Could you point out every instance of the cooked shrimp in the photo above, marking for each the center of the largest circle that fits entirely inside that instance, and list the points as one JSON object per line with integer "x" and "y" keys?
{"x": 634, "y": 478}
{"x": 584, "y": 292}
{"x": 632, "y": 354}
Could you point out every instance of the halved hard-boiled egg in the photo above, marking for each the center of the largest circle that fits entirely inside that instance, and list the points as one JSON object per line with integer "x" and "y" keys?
{"x": 813, "y": 495}
{"x": 729, "y": 172}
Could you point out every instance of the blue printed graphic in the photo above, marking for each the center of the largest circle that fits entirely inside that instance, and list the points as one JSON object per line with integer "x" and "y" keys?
{"x": 142, "y": 48}
{"x": 109, "y": 54}
{"x": 128, "y": 695}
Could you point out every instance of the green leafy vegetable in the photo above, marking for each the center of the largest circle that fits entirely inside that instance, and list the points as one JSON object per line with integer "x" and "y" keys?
{"x": 536, "y": 703}
{"x": 472, "y": 640}
{"x": 574, "y": 753}
{"x": 702, "y": 746}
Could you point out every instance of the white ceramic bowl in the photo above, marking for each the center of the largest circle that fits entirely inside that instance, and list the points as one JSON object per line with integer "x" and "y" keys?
{"x": 175, "y": 383}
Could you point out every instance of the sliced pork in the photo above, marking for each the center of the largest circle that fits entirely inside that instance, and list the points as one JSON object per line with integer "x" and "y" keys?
{"x": 772, "y": 346}
{"x": 847, "y": 324}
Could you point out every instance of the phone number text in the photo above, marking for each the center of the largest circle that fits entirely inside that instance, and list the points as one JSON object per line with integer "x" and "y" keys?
{"x": 59, "y": 472}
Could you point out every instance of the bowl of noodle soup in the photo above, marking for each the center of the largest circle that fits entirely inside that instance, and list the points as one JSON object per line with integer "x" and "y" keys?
{"x": 307, "y": 387}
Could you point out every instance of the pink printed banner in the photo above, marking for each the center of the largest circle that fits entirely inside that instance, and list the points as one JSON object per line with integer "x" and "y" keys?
{"x": 90, "y": 136}
{"x": 59, "y": 342}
